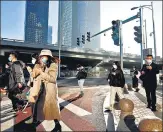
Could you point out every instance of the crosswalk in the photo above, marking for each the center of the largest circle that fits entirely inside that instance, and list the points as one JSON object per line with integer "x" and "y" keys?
{"x": 73, "y": 114}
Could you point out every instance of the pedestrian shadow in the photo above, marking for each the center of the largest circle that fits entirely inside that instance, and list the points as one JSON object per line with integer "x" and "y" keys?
{"x": 23, "y": 127}
{"x": 66, "y": 102}
{"x": 143, "y": 99}
{"x": 127, "y": 124}
{"x": 110, "y": 123}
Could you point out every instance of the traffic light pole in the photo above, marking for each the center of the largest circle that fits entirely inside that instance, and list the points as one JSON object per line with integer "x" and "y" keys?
{"x": 121, "y": 43}
{"x": 141, "y": 27}
{"x": 123, "y": 22}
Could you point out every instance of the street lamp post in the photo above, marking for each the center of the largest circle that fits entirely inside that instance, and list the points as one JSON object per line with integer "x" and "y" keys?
{"x": 145, "y": 33}
{"x": 154, "y": 33}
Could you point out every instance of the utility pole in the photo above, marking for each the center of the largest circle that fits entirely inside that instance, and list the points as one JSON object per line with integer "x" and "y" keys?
{"x": 154, "y": 33}
{"x": 121, "y": 43}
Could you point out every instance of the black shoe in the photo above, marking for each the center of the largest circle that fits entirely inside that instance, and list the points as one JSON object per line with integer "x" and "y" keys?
{"x": 154, "y": 109}
{"x": 148, "y": 106}
{"x": 137, "y": 90}
{"x": 57, "y": 128}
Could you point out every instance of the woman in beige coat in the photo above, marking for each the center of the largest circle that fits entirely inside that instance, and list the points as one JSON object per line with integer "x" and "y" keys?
{"x": 45, "y": 76}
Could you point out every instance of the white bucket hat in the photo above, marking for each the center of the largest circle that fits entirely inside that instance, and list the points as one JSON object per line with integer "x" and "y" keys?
{"x": 49, "y": 53}
{"x": 46, "y": 52}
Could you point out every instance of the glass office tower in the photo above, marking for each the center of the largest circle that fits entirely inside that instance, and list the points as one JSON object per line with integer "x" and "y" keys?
{"x": 76, "y": 18}
{"x": 36, "y": 21}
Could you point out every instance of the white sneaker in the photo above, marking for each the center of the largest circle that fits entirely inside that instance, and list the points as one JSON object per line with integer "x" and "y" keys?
{"x": 109, "y": 108}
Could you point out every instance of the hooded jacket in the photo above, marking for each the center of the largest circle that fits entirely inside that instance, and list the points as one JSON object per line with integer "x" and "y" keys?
{"x": 16, "y": 75}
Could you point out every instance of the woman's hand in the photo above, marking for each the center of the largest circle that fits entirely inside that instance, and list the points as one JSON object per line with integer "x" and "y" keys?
{"x": 29, "y": 69}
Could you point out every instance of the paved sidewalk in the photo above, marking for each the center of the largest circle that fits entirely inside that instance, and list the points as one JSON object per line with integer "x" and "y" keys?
{"x": 140, "y": 111}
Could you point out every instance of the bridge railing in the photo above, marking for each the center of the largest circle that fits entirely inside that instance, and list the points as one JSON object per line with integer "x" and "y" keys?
{"x": 76, "y": 49}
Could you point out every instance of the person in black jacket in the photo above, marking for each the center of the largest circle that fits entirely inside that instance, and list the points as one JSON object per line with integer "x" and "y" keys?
{"x": 116, "y": 81}
{"x": 135, "y": 79}
{"x": 16, "y": 81}
{"x": 148, "y": 76}
{"x": 81, "y": 76}
{"x": 4, "y": 76}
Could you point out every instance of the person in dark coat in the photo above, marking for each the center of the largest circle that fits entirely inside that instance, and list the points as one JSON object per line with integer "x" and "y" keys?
{"x": 116, "y": 81}
{"x": 4, "y": 76}
{"x": 135, "y": 79}
{"x": 81, "y": 76}
{"x": 148, "y": 76}
{"x": 16, "y": 81}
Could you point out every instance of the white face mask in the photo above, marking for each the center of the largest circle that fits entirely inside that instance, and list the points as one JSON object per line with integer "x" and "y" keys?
{"x": 33, "y": 61}
{"x": 149, "y": 61}
{"x": 115, "y": 66}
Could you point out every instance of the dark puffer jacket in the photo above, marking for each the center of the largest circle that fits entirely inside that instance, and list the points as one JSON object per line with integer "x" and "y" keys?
{"x": 16, "y": 76}
{"x": 81, "y": 75}
{"x": 116, "y": 80}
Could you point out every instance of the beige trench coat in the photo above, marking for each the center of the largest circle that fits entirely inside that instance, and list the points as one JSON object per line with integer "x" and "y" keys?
{"x": 47, "y": 104}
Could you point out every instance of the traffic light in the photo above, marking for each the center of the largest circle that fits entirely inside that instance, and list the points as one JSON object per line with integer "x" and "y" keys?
{"x": 138, "y": 34}
{"x": 83, "y": 39}
{"x": 115, "y": 29}
{"x": 88, "y": 36}
{"x": 78, "y": 42}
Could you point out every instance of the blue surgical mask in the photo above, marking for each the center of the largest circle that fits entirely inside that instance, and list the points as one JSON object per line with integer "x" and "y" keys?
{"x": 10, "y": 59}
{"x": 44, "y": 60}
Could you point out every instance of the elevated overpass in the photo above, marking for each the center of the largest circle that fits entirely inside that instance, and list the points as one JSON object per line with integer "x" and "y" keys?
{"x": 69, "y": 55}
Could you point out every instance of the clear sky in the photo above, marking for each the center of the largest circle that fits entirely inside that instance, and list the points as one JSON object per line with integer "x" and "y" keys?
{"x": 13, "y": 16}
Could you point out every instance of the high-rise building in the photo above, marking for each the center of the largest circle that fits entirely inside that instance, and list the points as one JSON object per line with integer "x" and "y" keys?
{"x": 36, "y": 21}
{"x": 76, "y": 18}
{"x": 50, "y": 31}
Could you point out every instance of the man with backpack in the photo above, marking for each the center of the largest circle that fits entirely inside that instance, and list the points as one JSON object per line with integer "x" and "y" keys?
{"x": 81, "y": 76}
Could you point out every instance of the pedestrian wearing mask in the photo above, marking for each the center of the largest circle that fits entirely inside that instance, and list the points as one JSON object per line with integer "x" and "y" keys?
{"x": 33, "y": 93}
{"x": 116, "y": 81}
{"x": 81, "y": 76}
{"x": 16, "y": 82}
{"x": 148, "y": 76}
{"x": 46, "y": 78}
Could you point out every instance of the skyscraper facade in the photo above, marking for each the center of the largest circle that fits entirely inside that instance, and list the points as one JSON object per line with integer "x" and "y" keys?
{"x": 50, "y": 32}
{"x": 76, "y": 18}
{"x": 36, "y": 21}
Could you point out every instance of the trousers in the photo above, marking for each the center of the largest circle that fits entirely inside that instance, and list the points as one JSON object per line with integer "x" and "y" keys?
{"x": 151, "y": 96}
{"x": 81, "y": 83}
{"x": 113, "y": 91}
{"x": 15, "y": 100}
